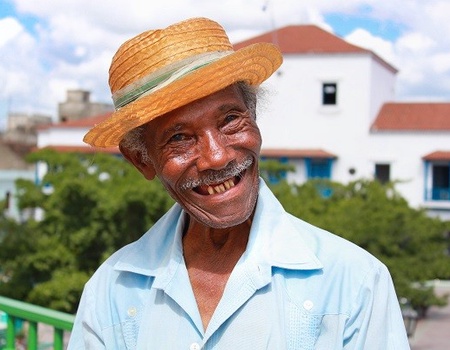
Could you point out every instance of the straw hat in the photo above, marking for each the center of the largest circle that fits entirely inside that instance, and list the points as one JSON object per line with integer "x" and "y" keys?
{"x": 161, "y": 70}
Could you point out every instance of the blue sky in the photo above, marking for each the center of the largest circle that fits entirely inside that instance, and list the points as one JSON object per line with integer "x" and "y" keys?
{"x": 7, "y": 9}
{"x": 50, "y": 46}
{"x": 344, "y": 25}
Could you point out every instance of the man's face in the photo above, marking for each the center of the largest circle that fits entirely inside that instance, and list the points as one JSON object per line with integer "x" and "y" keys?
{"x": 206, "y": 155}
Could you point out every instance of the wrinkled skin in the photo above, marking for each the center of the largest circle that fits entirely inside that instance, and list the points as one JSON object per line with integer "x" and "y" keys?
{"x": 204, "y": 136}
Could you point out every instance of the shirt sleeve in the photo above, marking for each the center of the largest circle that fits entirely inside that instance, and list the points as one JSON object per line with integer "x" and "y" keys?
{"x": 376, "y": 321}
{"x": 86, "y": 332}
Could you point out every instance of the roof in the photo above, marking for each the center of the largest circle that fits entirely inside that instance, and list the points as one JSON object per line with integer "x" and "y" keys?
{"x": 437, "y": 155}
{"x": 80, "y": 123}
{"x": 309, "y": 39}
{"x": 296, "y": 153}
{"x": 11, "y": 160}
{"x": 413, "y": 117}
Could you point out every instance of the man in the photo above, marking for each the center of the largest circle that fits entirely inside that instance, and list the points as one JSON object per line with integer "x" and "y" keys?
{"x": 226, "y": 267}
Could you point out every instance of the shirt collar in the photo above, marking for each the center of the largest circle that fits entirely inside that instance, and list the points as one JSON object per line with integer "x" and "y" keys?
{"x": 276, "y": 239}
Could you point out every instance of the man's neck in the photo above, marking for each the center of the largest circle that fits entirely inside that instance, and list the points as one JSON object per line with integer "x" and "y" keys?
{"x": 210, "y": 256}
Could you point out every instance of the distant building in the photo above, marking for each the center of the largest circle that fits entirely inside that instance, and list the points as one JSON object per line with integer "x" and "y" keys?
{"x": 12, "y": 167}
{"x": 78, "y": 106}
{"x": 21, "y": 128}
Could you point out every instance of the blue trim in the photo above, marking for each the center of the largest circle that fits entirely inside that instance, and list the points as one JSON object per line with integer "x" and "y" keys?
{"x": 440, "y": 193}
{"x": 425, "y": 187}
{"x": 318, "y": 168}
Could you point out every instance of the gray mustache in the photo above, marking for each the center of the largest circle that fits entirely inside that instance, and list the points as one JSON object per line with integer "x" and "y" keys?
{"x": 211, "y": 177}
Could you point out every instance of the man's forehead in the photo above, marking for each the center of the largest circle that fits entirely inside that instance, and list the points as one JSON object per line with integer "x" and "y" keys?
{"x": 219, "y": 102}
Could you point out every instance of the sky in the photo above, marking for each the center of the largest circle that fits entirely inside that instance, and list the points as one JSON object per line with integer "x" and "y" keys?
{"x": 50, "y": 46}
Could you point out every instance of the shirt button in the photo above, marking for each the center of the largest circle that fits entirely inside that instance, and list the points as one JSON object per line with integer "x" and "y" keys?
{"x": 132, "y": 311}
{"x": 308, "y": 305}
{"x": 194, "y": 346}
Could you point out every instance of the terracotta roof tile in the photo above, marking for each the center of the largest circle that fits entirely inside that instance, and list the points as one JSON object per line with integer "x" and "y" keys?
{"x": 413, "y": 117}
{"x": 438, "y": 155}
{"x": 309, "y": 39}
{"x": 296, "y": 153}
{"x": 303, "y": 39}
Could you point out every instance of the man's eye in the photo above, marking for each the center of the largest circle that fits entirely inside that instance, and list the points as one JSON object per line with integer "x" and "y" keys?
{"x": 229, "y": 118}
{"x": 177, "y": 138}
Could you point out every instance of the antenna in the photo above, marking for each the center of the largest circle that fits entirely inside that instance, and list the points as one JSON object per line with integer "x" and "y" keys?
{"x": 269, "y": 8}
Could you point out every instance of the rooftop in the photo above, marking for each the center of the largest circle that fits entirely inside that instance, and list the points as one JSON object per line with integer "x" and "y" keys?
{"x": 413, "y": 117}
{"x": 309, "y": 39}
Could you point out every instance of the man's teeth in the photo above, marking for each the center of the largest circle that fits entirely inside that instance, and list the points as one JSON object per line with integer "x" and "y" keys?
{"x": 221, "y": 188}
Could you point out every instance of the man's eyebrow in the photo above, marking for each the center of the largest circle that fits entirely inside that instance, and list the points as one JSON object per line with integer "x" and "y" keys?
{"x": 172, "y": 129}
{"x": 230, "y": 106}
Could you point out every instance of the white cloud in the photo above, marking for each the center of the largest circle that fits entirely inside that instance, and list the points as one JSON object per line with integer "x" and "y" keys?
{"x": 9, "y": 29}
{"x": 381, "y": 47}
{"x": 415, "y": 43}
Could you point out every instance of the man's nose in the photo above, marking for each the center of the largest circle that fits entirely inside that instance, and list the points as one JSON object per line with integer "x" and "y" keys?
{"x": 215, "y": 153}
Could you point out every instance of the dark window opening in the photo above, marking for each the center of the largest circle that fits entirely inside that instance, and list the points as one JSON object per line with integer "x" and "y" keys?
{"x": 329, "y": 94}
{"x": 441, "y": 182}
{"x": 383, "y": 173}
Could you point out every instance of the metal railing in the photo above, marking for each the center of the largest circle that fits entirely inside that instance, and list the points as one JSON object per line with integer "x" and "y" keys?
{"x": 34, "y": 315}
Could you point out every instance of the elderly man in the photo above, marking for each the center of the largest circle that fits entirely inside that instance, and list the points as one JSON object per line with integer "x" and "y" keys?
{"x": 226, "y": 267}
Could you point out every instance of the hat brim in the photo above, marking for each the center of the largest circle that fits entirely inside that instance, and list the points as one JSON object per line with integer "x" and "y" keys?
{"x": 252, "y": 64}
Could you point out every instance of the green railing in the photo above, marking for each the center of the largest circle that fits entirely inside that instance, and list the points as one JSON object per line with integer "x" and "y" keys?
{"x": 33, "y": 315}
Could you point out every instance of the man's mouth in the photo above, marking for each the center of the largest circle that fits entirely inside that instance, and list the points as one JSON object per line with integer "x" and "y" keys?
{"x": 218, "y": 187}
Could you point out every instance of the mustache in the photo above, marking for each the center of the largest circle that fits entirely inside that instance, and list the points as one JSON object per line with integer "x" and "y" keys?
{"x": 211, "y": 177}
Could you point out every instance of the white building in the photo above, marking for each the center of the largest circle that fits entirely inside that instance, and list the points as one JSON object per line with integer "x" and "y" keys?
{"x": 330, "y": 112}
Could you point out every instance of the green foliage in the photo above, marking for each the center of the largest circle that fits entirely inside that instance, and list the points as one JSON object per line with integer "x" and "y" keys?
{"x": 274, "y": 171}
{"x": 378, "y": 219}
{"x": 98, "y": 204}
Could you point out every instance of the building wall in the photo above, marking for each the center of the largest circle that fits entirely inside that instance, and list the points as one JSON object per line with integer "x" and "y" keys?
{"x": 61, "y": 136}
{"x": 292, "y": 117}
{"x": 295, "y": 118}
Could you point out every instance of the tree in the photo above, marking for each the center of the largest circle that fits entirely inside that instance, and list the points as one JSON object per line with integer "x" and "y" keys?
{"x": 97, "y": 204}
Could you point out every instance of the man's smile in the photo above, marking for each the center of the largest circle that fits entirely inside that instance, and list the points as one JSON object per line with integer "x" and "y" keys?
{"x": 218, "y": 187}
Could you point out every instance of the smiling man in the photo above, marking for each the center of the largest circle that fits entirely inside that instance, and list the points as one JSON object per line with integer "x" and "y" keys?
{"x": 226, "y": 267}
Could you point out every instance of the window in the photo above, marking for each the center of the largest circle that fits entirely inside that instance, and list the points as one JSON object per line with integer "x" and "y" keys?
{"x": 383, "y": 173}
{"x": 318, "y": 168}
{"x": 329, "y": 94}
{"x": 440, "y": 181}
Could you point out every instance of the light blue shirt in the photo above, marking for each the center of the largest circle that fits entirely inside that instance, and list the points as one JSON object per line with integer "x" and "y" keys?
{"x": 295, "y": 287}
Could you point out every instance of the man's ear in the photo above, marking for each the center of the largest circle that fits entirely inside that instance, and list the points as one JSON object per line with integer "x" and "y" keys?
{"x": 135, "y": 158}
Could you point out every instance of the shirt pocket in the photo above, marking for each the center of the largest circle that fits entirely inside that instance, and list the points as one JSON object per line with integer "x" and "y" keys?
{"x": 314, "y": 331}
{"x": 303, "y": 329}
{"x": 122, "y": 336}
